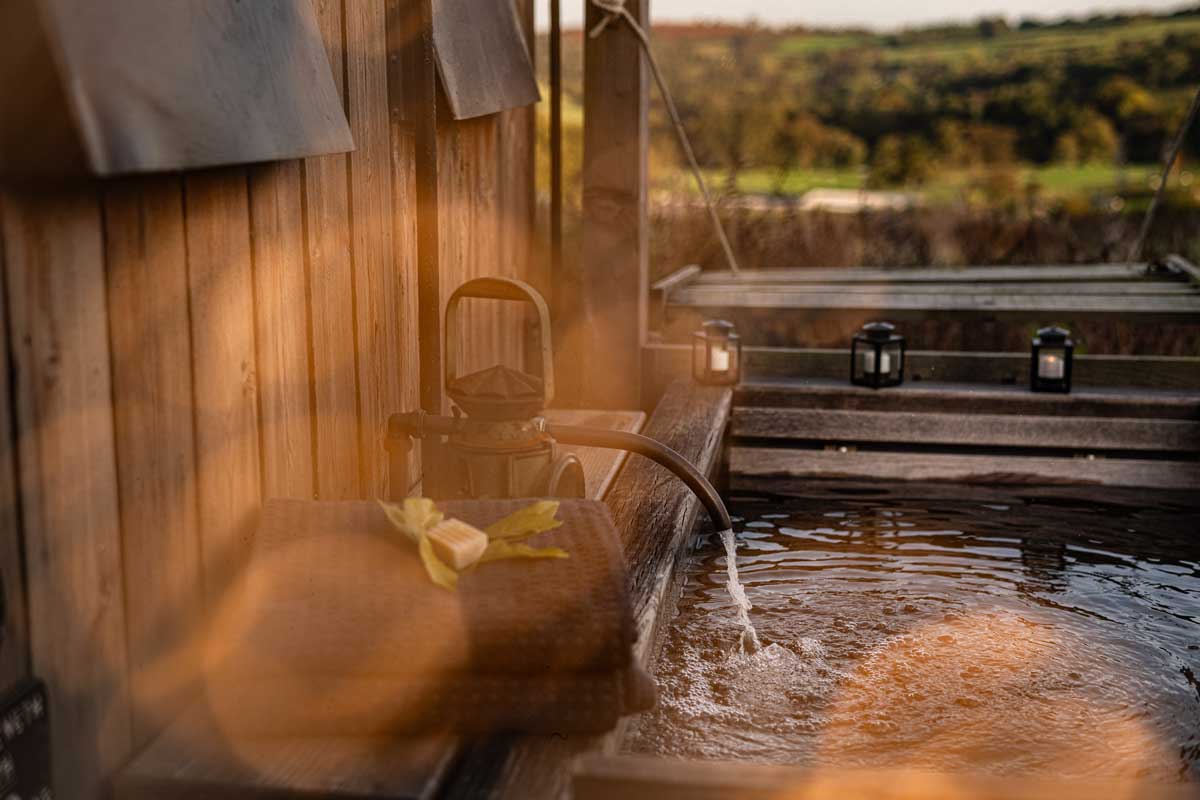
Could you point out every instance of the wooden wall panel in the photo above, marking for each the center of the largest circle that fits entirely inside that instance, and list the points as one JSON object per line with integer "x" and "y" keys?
{"x": 68, "y": 480}
{"x": 14, "y": 644}
{"x": 281, "y": 329}
{"x": 151, "y": 375}
{"x": 331, "y": 289}
{"x": 404, "y": 220}
{"x": 221, "y": 295}
{"x": 185, "y": 346}
{"x": 379, "y": 284}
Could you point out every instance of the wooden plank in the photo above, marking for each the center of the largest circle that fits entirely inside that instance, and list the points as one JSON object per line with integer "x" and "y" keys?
{"x": 600, "y": 466}
{"x": 267, "y": 92}
{"x": 666, "y": 362}
{"x": 717, "y": 301}
{"x": 68, "y": 480}
{"x": 156, "y": 461}
{"x": 281, "y": 329}
{"x": 196, "y": 761}
{"x": 1050, "y": 272}
{"x": 1182, "y": 266}
{"x": 331, "y": 299}
{"x": 647, "y": 778}
{"x": 606, "y": 318}
{"x": 221, "y": 297}
{"x": 998, "y": 430}
{"x": 378, "y": 289}
{"x": 404, "y": 203}
{"x": 748, "y": 464}
{"x": 983, "y": 289}
{"x": 14, "y": 649}
{"x": 965, "y": 399}
{"x": 680, "y": 277}
{"x": 655, "y": 514}
{"x": 482, "y": 58}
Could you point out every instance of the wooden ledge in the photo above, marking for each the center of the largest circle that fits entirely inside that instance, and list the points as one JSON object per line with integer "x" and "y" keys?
{"x": 641, "y": 778}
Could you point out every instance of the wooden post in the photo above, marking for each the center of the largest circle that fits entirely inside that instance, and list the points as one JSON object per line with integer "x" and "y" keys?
{"x": 423, "y": 112}
{"x": 603, "y": 307}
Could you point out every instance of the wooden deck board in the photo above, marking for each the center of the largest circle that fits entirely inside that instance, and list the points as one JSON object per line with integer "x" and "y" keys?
{"x": 1050, "y": 272}
{"x": 747, "y": 464}
{"x": 957, "y": 429}
{"x": 908, "y": 304}
{"x": 1125, "y": 291}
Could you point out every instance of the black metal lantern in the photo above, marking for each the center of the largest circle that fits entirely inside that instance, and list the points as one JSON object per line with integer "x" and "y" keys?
{"x": 1051, "y": 362}
{"x": 877, "y": 356}
{"x": 717, "y": 354}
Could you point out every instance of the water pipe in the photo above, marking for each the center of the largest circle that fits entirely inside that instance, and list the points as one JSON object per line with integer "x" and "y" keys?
{"x": 419, "y": 424}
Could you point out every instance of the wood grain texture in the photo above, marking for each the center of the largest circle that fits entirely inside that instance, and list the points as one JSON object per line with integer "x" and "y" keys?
{"x": 748, "y": 464}
{"x": 221, "y": 301}
{"x": 68, "y": 480}
{"x": 981, "y": 430}
{"x": 193, "y": 760}
{"x": 647, "y": 778}
{"x": 14, "y": 646}
{"x": 378, "y": 292}
{"x": 603, "y": 319}
{"x": 404, "y": 204}
{"x": 664, "y": 363}
{"x": 483, "y": 61}
{"x": 895, "y": 275}
{"x": 267, "y": 92}
{"x": 150, "y": 339}
{"x": 332, "y": 296}
{"x": 724, "y": 302}
{"x": 281, "y": 330}
{"x": 967, "y": 399}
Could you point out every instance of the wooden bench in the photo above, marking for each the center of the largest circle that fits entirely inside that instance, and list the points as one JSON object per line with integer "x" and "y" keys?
{"x": 791, "y": 307}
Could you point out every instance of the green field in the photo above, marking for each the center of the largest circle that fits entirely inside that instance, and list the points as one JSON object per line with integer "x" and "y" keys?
{"x": 1054, "y": 181}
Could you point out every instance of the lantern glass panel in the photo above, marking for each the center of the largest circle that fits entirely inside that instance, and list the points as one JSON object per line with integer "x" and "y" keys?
{"x": 717, "y": 354}
{"x": 1052, "y": 363}
{"x": 891, "y": 361}
{"x": 700, "y": 356}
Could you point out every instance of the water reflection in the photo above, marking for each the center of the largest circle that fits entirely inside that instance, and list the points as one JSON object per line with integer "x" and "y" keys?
{"x": 1017, "y": 636}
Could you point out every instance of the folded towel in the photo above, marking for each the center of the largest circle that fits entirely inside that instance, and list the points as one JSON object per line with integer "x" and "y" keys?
{"x": 336, "y": 628}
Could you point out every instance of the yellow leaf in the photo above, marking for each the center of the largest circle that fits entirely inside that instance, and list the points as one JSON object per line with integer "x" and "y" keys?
{"x": 439, "y": 573}
{"x": 521, "y": 524}
{"x": 499, "y": 550}
{"x": 415, "y": 517}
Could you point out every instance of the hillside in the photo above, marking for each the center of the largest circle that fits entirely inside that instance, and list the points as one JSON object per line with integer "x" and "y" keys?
{"x": 1072, "y": 108}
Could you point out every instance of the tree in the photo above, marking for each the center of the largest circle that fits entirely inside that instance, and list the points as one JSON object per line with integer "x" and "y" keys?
{"x": 901, "y": 161}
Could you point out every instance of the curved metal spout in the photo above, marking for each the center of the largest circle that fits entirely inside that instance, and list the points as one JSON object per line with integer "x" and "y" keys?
{"x": 656, "y": 452}
{"x": 418, "y": 424}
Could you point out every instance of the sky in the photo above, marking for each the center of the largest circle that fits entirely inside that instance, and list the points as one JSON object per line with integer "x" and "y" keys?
{"x": 867, "y": 13}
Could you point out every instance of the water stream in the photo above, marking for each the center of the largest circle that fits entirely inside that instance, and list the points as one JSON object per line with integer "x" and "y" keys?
{"x": 737, "y": 593}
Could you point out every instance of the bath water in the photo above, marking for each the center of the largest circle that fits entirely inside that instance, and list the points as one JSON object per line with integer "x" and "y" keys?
{"x": 1014, "y": 635}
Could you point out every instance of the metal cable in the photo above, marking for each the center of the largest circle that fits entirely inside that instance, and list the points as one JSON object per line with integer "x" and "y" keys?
{"x": 614, "y": 9}
{"x": 1135, "y": 254}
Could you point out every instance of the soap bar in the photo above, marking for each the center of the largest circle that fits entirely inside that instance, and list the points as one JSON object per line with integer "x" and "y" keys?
{"x": 458, "y": 544}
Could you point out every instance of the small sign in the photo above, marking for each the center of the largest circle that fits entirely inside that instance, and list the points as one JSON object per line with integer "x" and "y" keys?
{"x": 25, "y": 744}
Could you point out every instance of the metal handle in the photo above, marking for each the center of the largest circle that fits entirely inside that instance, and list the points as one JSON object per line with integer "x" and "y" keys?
{"x": 501, "y": 289}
